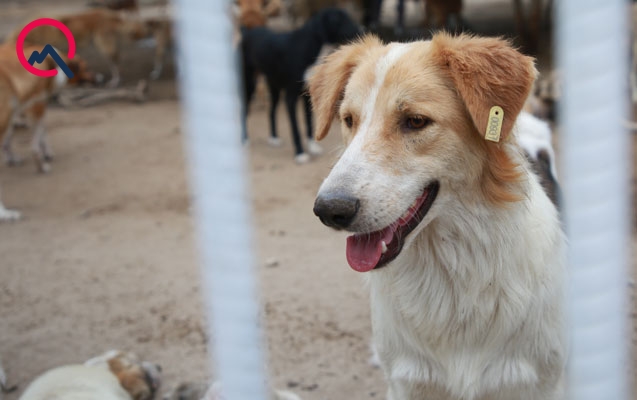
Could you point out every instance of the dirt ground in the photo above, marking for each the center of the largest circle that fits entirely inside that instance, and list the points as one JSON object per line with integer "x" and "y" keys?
{"x": 105, "y": 257}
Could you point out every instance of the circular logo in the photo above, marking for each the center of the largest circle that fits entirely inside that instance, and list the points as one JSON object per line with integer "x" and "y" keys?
{"x": 19, "y": 46}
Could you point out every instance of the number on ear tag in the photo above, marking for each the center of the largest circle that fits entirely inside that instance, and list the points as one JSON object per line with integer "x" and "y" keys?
{"x": 496, "y": 116}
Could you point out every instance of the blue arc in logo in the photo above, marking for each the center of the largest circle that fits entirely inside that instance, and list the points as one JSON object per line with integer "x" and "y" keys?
{"x": 50, "y": 51}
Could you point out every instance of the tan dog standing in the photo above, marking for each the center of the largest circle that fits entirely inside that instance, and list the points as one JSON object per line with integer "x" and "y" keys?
{"x": 24, "y": 94}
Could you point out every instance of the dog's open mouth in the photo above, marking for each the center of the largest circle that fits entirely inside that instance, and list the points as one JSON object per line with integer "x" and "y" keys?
{"x": 366, "y": 251}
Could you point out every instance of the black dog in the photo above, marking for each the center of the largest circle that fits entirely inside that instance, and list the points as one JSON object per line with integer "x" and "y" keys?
{"x": 283, "y": 58}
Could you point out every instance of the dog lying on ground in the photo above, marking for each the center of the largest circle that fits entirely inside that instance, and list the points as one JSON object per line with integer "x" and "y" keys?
{"x": 24, "y": 94}
{"x": 115, "y": 375}
{"x": 104, "y": 29}
{"x": 283, "y": 59}
{"x": 464, "y": 250}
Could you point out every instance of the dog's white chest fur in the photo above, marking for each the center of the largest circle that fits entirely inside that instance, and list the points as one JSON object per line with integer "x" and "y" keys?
{"x": 473, "y": 308}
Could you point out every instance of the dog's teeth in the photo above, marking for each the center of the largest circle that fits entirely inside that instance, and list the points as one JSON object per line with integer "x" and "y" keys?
{"x": 384, "y": 247}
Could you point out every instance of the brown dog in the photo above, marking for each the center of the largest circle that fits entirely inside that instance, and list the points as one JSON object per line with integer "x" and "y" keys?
{"x": 102, "y": 28}
{"x": 24, "y": 94}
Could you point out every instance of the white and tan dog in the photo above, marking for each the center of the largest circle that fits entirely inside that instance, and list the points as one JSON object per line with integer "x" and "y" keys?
{"x": 463, "y": 250}
{"x": 115, "y": 375}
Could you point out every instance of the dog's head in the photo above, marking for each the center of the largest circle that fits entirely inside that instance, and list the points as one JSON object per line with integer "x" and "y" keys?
{"x": 81, "y": 72}
{"x": 140, "y": 379}
{"x": 251, "y": 13}
{"x": 414, "y": 118}
{"x": 335, "y": 26}
{"x": 252, "y": 18}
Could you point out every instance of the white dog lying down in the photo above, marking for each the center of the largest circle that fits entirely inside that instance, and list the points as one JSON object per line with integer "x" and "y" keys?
{"x": 463, "y": 250}
{"x": 115, "y": 375}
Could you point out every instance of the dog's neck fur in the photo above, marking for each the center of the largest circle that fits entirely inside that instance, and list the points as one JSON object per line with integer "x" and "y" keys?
{"x": 468, "y": 283}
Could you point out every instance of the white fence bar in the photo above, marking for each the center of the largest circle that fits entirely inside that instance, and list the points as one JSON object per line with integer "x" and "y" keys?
{"x": 210, "y": 96}
{"x": 593, "y": 58}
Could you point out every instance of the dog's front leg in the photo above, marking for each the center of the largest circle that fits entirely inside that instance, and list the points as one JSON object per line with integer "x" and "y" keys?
{"x": 38, "y": 146}
{"x": 290, "y": 101}
{"x": 158, "y": 67}
{"x": 314, "y": 148}
{"x": 9, "y": 157}
{"x": 6, "y": 215}
{"x": 274, "y": 139}
{"x": 161, "y": 42}
{"x": 249, "y": 86}
{"x": 45, "y": 147}
{"x": 107, "y": 44}
{"x": 115, "y": 77}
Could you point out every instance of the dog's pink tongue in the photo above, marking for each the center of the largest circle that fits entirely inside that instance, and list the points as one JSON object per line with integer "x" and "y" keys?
{"x": 364, "y": 250}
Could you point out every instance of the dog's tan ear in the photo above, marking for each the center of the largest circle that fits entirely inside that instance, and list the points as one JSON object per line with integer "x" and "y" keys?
{"x": 486, "y": 72}
{"x": 131, "y": 378}
{"x": 328, "y": 81}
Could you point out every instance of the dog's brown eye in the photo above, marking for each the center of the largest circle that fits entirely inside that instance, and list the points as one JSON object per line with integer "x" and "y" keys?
{"x": 348, "y": 121}
{"x": 417, "y": 122}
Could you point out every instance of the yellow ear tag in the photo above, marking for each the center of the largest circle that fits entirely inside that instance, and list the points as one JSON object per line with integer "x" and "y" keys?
{"x": 496, "y": 116}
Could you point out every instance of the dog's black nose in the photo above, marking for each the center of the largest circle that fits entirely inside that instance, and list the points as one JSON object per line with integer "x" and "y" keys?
{"x": 336, "y": 209}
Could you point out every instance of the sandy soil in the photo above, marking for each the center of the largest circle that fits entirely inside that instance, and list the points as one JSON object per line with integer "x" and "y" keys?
{"x": 105, "y": 257}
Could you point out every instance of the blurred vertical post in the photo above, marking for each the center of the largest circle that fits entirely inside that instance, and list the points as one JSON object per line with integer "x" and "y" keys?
{"x": 210, "y": 96}
{"x": 593, "y": 58}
